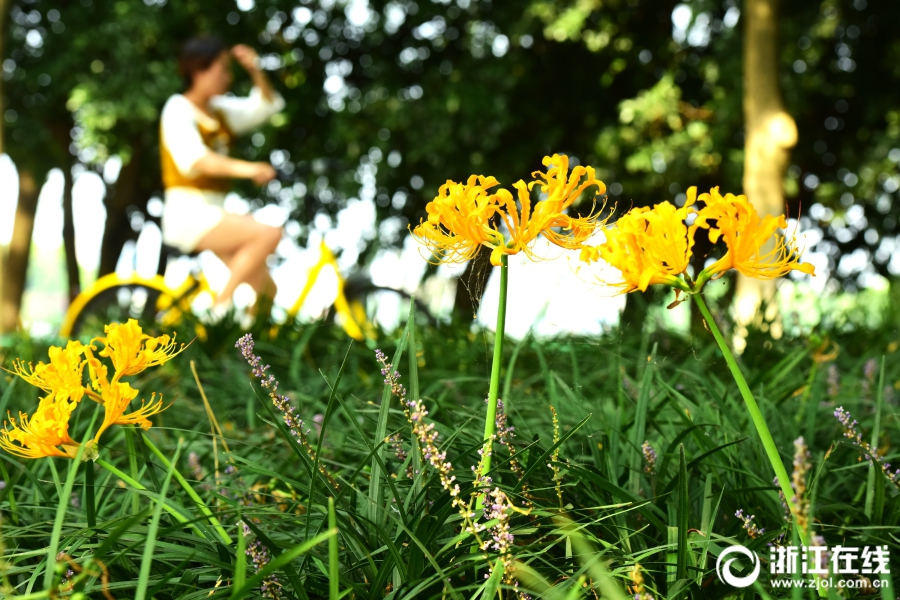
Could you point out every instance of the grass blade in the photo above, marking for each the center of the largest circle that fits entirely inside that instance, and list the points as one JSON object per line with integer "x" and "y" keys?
{"x": 150, "y": 541}
{"x": 590, "y": 558}
{"x": 533, "y": 581}
{"x": 874, "y": 507}
{"x": 140, "y": 487}
{"x": 240, "y": 559}
{"x": 492, "y": 585}
{"x": 640, "y": 423}
{"x": 683, "y": 508}
{"x": 52, "y": 548}
{"x": 190, "y": 492}
{"x": 334, "y": 590}
{"x": 64, "y": 496}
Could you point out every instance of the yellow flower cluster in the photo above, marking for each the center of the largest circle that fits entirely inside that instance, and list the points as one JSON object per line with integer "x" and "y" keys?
{"x": 649, "y": 245}
{"x": 465, "y": 216}
{"x": 46, "y": 432}
{"x": 653, "y": 245}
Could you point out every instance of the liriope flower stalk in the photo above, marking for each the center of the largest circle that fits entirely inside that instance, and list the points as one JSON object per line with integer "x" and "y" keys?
{"x": 505, "y": 433}
{"x": 554, "y": 457}
{"x": 869, "y": 452}
{"x": 282, "y": 403}
{"x": 485, "y": 500}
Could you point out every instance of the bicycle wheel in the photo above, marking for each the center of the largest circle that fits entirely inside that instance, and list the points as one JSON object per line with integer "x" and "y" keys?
{"x": 114, "y": 300}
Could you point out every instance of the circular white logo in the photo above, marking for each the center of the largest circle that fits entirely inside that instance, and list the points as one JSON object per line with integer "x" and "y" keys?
{"x": 723, "y": 567}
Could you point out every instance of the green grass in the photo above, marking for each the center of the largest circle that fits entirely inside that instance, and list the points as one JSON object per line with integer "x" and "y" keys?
{"x": 164, "y": 520}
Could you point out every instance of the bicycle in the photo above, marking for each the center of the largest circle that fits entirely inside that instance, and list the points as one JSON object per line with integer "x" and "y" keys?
{"x": 150, "y": 299}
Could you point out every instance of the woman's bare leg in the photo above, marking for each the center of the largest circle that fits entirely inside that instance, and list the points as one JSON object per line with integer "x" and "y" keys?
{"x": 260, "y": 281}
{"x": 243, "y": 244}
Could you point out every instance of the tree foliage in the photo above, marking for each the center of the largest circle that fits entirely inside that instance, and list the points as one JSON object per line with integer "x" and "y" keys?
{"x": 387, "y": 99}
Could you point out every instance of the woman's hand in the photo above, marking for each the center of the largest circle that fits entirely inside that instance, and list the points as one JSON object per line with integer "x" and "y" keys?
{"x": 263, "y": 173}
{"x": 213, "y": 164}
{"x": 247, "y": 57}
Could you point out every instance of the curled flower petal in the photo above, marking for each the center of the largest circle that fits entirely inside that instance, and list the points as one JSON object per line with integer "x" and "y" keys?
{"x": 46, "y": 432}
{"x": 116, "y": 396}
{"x": 460, "y": 220}
{"x": 141, "y": 416}
{"x": 562, "y": 189}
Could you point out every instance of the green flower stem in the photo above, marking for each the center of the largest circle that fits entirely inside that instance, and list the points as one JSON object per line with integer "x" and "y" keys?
{"x": 701, "y": 280}
{"x": 490, "y": 416}
{"x": 190, "y": 492}
{"x": 755, "y": 414}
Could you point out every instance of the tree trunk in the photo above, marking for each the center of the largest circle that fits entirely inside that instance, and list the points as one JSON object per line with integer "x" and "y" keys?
{"x": 62, "y": 134}
{"x": 15, "y": 264}
{"x": 770, "y": 133}
{"x": 118, "y": 226}
{"x": 72, "y": 276}
{"x": 4, "y": 12}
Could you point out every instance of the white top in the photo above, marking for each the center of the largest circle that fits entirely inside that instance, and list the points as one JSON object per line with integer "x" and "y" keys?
{"x": 189, "y": 213}
{"x": 179, "y": 119}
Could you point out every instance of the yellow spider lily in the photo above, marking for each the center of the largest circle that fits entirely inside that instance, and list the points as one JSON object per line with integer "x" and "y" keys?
{"x": 561, "y": 190}
{"x": 459, "y": 220}
{"x": 755, "y": 248}
{"x": 46, "y": 432}
{"x": 463, "y": 217}
{"x": 653, "y": 245}
{"x": 115, "y": 396}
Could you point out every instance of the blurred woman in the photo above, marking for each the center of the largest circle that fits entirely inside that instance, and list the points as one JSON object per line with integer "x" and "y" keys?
{"x": 197, "y": 127}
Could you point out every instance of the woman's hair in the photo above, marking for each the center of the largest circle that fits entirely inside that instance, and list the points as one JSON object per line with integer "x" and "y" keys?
{"x": 197, "y": 54}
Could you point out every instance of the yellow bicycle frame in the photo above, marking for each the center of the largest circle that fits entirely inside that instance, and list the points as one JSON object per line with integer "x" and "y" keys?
{"x": 353, "y": 314}
{"x": 171, "y": 316}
